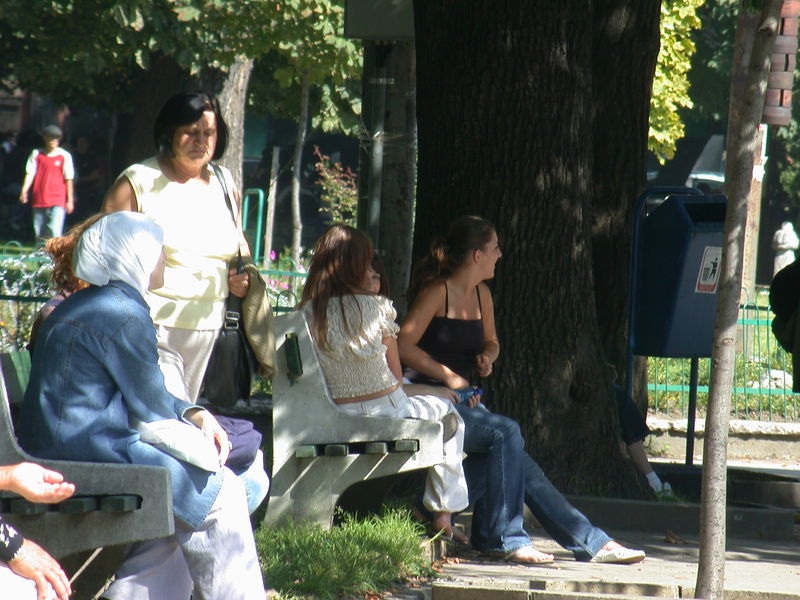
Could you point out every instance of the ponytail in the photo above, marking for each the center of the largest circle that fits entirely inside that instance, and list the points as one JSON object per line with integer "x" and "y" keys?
{"x": 464, "y": 235}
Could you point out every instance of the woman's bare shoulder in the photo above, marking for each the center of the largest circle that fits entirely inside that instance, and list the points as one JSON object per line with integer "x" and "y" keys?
{"x": 431, "y": 297}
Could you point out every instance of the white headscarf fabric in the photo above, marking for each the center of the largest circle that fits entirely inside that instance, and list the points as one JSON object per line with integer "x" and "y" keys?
{"x": 122, "y": 246}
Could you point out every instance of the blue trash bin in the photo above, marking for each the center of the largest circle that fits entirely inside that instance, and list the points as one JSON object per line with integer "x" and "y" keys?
{"x": 680, "y": 250}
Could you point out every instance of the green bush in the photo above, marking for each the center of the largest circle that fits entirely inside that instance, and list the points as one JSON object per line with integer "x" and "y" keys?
{"x": 27, "y": 275}
{"x": 354, "y": 558}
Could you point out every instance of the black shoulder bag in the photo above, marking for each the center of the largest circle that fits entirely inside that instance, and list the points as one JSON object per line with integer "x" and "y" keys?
{"x": 229, "y": 373}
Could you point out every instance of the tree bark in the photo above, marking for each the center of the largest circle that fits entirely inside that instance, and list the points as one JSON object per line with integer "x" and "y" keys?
{"x": 625, "y": 49}
{"x": 272, "y": 186}
{"x": 745, "y": 116}
{"x": 506, "y": 129}
{"x": 232, "y": 97}
{"x": 297, "y": 161}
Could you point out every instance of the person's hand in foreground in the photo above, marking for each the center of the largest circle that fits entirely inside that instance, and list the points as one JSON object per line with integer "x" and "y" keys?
{"x": 32, "y": 562}
{"x": 35, "y": 483}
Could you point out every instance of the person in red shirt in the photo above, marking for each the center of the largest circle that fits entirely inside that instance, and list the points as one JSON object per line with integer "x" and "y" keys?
{"x": 49, "y": 171}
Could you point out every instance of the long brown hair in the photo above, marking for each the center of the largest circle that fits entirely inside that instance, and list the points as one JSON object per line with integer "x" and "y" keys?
{"x": 380, "y": 269}
{"x": 464, "y": 235}
{"x": 338, "y": 267}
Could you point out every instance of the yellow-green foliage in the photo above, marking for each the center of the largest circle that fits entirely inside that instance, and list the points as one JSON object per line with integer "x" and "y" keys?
{"x": 671, "y": 84}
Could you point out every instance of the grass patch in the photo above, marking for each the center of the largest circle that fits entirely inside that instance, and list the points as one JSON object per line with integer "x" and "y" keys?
{"x": 304, "y": 560}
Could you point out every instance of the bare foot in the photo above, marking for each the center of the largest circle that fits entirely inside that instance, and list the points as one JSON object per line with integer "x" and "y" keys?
{"x": 527, "y": 555}
{"x": 442, "y": 523}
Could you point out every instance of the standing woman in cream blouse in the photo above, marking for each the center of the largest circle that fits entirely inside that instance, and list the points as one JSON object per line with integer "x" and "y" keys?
{"x": 179, "y": 190}
{"x": 355, "y": 333}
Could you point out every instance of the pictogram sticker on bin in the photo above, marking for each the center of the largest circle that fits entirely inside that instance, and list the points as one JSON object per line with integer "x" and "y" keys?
{"x": 708, "y": 276}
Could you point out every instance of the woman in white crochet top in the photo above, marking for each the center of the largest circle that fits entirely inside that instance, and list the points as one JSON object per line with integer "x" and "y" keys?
{"x": 356, "y": 336}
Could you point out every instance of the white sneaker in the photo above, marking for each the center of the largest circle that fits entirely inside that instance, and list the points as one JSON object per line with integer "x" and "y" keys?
{"x": 620, "y": 556}
{"x": 666, "y": 492}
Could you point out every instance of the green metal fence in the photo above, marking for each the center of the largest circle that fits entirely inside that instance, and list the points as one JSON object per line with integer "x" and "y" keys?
{"x": 762, "y": 385}
{"x": 25, "y": 283}
{"x": 762, "y": 380}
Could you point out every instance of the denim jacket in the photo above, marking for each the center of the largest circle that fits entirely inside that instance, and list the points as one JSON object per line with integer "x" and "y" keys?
{"x": 95, "y": 364}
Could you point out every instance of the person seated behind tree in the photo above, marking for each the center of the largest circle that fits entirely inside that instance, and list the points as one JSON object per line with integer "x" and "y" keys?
{"x": 79, "y": 406}
{"x": 354, "y": 332}
{"x": 449, "y": 337}
{"x": 26, "y": 570}
{"x": 633, "y": 430}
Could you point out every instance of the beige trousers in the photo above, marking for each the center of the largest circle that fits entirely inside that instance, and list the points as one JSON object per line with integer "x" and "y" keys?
{"x": 183, "y": 355}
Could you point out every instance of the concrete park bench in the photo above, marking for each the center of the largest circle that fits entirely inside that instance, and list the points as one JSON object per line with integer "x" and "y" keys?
{"x": 114, "y": 505}
{"x": 319, "y": 451}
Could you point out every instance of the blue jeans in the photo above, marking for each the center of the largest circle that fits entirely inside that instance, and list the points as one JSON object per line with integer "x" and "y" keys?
{"x": 48, "y": 222}
{"x": 256, "y": 482}
{"x": 500, "y": 475}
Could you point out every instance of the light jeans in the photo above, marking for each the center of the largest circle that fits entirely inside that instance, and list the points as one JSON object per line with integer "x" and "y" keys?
{"x": 218, "y": 561}
{"x": 501, "y": 475}
{"x": 446, "y": 487}
{"x": 256, "y": 482}
{"x": 48, "y": 222}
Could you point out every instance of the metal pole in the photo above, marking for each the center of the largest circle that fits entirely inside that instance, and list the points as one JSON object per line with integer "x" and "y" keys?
{"x": 694, "y": 365}
{"x": 259, "y": 193}
{"x": 378, "y": 81}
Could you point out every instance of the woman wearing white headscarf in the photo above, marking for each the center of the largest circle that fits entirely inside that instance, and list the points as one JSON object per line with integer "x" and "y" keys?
{"x": 95, "y": 368}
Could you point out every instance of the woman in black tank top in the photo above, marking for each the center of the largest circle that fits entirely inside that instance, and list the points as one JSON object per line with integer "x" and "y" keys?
{"x": 449, "y": 337}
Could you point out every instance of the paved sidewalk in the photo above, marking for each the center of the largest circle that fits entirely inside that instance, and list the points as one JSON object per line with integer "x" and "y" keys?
{"x": 769, "y": 570}
{"x": 754, "y": 570}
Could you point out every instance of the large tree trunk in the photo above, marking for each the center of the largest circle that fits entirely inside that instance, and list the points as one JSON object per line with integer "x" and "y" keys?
{"x": 232, "y": 95}
{"x": 625, "y": 49}
{"x": 505, "y": 116}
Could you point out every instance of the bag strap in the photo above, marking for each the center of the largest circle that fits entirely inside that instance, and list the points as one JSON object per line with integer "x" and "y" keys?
{"x": 223, "y": 183}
